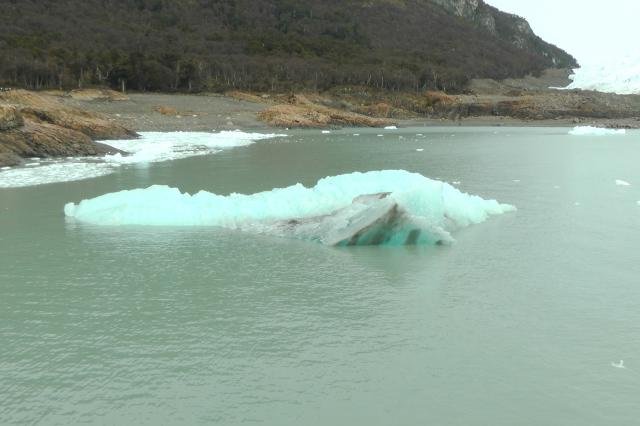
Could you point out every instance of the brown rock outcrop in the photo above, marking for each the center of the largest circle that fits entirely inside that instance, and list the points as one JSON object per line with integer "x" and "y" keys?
{"x": 39, "y": 125}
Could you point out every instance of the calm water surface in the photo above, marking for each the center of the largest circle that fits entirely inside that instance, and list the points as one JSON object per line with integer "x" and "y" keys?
{"x": 516, "y": 324}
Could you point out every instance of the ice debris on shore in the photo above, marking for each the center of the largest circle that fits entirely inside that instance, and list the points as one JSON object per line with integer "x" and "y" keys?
{"x": 151, "y": 147}
{"x": 392, "y": 207}
{"x": 595, "y": 131}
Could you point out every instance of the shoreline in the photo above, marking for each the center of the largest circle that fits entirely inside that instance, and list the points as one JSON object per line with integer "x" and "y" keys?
{"x": 217, "y": 112}
{"x": 69, "y": 124}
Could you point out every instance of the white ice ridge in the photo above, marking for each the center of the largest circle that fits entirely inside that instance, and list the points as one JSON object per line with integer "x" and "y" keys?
{"x": 595, "y": 131}
{"x": 390, "y": 207}
{"x": 162, "y": 146}
{"x": 620, "y": 76}
{"x": 151, "y": 147}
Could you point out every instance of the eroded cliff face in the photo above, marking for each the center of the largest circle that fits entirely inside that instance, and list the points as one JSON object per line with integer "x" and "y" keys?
{"x": 507, "y": 27}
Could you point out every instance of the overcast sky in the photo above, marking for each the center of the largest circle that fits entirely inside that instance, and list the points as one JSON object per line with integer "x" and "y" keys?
{"x": 588, "y": 29}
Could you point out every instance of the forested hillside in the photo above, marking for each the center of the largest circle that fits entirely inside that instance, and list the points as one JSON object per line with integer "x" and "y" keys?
{"x": 194, "y": 45}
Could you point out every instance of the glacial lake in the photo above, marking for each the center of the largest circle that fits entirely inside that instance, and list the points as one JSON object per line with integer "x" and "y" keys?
{"x": 523, "y": 321}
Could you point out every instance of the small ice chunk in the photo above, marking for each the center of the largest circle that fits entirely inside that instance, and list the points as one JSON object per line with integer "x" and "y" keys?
{"x": 620, "y": 182}
{"x": 34, "y": 158}
{"x": 32, "y": 164}
{"x": 618, "y": 364}
{"x": 420, "y": 149}
{"x": 380, "y": 136}
{"x": 457, "y": 182}
{"x": 516, "y": 181}
{"x": 7, "y": 168}
{"x": 356, "y": 134}
{"x": 326, "y": 132}
{"x": 595, "y": 131}
{"x": 391, "y": 128}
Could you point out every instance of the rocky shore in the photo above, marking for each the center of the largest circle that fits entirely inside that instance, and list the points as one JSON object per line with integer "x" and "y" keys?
{"x": 40, "y": 125}
{"x": 49, "y": 124}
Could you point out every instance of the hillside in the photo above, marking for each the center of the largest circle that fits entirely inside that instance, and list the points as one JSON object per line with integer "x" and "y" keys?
{"x": 265, "y": 45}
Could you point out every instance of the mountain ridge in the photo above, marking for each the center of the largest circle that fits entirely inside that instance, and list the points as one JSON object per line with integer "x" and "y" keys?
{"x": 269, "y": 45}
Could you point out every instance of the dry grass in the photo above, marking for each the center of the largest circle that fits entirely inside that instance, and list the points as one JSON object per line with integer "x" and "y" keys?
{"x": 248, "y": 97}
{"x": 306, "y": 111}
{"x": 97, "y": 95}
{"x": 10, "y": 117}
{"x": 166, "y": 110}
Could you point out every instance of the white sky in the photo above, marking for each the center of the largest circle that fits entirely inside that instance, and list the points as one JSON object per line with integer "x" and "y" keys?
{"x": 591, "y": 30}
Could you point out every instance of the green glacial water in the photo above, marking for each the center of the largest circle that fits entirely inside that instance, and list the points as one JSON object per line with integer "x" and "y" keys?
{"x": 517, "y": 323}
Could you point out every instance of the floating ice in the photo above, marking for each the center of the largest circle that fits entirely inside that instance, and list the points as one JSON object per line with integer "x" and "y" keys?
{"x": 326, "y": 132}
{"x": 595, "y": 131}
{"x": 620, "y": 76}
{"x": 163, "y": 146}
{"x": 391, "y": 128}
{"x": 405, "y": 207}
{"x": 151, "y": 147}
{"x": 57, "y": 172}
{"x": 420, "y": 149}
{"x": 618, "y": 364}
{"x": 622, "y": 183}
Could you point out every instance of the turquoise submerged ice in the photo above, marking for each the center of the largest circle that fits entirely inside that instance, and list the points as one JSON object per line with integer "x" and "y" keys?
{"x": 384, "y": 207}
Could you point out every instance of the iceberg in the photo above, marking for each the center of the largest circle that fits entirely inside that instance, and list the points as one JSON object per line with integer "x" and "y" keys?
{"x": 389, "y": 207}
{"x": 595, "y": 131}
